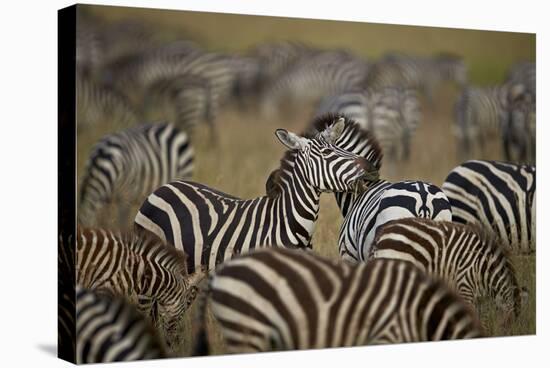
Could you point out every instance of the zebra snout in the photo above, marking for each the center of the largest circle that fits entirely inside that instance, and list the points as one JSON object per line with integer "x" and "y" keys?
{"x": 370, "y": 172}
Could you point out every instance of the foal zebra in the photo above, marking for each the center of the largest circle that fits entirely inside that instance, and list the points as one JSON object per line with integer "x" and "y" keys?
{"x": 211, "y": 226}
{"x": 109, "y": 330}
{"x": 469, "y": 259}
{"x": 140, "y": 268}
{"x": 392, "y": 114}
{"x": 498, "y": 196}
{"x": 133, "y": 161}
{"x": 281, "y": 299}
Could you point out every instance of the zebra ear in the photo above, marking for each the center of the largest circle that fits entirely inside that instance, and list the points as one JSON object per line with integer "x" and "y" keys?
{"x": 333, "y": 132}
{"x": 289, "y": 139}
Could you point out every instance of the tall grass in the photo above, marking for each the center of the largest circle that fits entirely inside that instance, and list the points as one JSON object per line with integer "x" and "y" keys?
{"x": 248, "y": 150}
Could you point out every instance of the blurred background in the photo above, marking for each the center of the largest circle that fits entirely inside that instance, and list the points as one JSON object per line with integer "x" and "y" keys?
{"x": 263, "y": 73}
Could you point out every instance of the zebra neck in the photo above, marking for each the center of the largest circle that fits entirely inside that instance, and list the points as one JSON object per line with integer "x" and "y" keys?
{"x": 296, "y": 208}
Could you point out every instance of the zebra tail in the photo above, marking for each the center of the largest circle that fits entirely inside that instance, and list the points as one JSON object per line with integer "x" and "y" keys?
{"x": 202, "y": 347}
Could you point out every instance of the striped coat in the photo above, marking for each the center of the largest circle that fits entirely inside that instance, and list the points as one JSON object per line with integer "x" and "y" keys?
{"x": 283, "y": 299}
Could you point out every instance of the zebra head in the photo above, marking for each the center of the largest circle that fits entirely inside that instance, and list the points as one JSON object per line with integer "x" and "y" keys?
{"x": 452, "y": 68}
{"x": 326, "y": 166}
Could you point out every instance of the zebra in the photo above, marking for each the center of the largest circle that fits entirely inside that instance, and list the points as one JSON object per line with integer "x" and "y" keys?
{"x": 133, "y": 161}
{"x": 66, "y": 281}
{"x": 97, "y": 103}
{"x": 188, "y": 96}
{"x": 384, "y": 201}
{"x": 391, "y": 113}
{"x": 140, "y": 268}
{"x": 282, "y": 299}
{"x": 110, "y": 329}
{"x": 139, "y": 72}
{"x": 468, "y": 258}
{"x": 524, "y": 73}
{"x": 381, "y": 201}
{"x": 211, "y": 226}
{"x": 312, "y": 78}
{"x": 498, "y": 196}
{"x": 421, "y": 73}
{"x": 519, "y": 131}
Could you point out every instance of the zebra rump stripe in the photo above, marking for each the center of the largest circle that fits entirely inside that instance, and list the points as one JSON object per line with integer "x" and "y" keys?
{"x": 385, "y": 201}
{"x": 134, "y": 161}
{"x": 281, "y": 299}
{"x": 498, "y": 196}
{"x": 211, "y": 226}
{"x": 139, "y": 268}
{"x": 109, "y": 330}
{"x": 469, "y": 259}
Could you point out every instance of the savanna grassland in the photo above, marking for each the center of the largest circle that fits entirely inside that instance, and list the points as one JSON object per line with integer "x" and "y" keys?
{"x": 247, "y": 150}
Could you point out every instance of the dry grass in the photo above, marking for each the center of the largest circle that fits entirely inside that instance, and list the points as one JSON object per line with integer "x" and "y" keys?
{"x": 248, "y": 150}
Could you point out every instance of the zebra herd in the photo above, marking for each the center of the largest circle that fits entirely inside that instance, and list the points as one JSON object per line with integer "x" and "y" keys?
{"x": 415, "y": 257}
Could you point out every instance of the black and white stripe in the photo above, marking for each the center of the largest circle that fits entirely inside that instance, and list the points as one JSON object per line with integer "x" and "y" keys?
{"x": 498, "y": 196}
{"x": 211, "y": 226}
{"x": 281, "y": 299}
{"x": 468, "y": 258}
{"x": 524, "y": 73}
{"x": 392, "y": 114}
{"x": 519, "y": 131}
{"x": 97, "y": 104}
{"x": 140, "y": 268}
{"x": 310, "y": 79}
{"x": 420, "y": 73}
{"x": 133, "y": 162}
{"x": 480, "y": 114}
{"x": 110, "y": 330}
{"x": 382, "y": 202}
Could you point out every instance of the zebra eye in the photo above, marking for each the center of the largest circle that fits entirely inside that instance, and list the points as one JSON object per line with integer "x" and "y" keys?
{"x": 326, "y": 151}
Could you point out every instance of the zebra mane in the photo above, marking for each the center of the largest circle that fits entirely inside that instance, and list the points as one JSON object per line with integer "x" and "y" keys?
{"x": 365, "y": 143}
{"x": 273, "y": 184}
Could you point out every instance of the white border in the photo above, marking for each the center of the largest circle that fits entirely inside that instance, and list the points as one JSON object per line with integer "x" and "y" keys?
{"x": 29, "y": 181}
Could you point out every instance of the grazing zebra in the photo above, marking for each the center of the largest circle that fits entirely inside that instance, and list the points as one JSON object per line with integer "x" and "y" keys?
{"x": 66, "y": 281}
{"x": 480, "y": 113}
{"x": 524, "y": 73}
{"x": 468, "y": 258}
{"x": 140, "y": 268}
{"x": 133, "y": 162}
{"x": 423, "y": 74}
{"x": 274, "y": 58}
{"x": 97, "y": 103}
{"x": 211, "y": 226}
{"x": 390, "y": 113}
{"x": 282, "y": 299}
{"x": 138, "y": 73}
{"x": 109, "y": 330}
{"x": 519, "y": 132}
{"x": 312, "y": 78}
{"x": 498, "y": 196}
{"x": 385, "y": 201}
{"x": 188, "y": 96}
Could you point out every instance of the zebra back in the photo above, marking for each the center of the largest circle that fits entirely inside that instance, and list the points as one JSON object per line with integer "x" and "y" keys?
{"x": 109, "y": 330}
{"x": 279, "y": 299}
{"x": 385, "y": 201}
{"x": 470, "y": 259}
{"x": 134, "y": 161}
{"x": 497, "y": 195}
